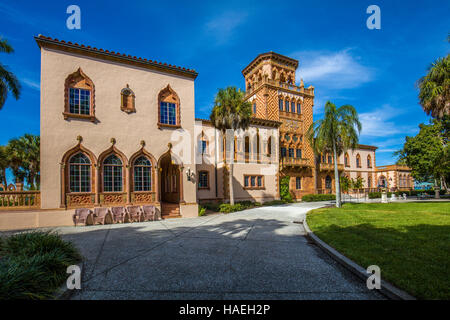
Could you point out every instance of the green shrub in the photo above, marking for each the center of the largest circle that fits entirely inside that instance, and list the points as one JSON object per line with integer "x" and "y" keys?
{"x": 285, "y": 194}
{"x": 376, "y": 195}
{"x": 318, "y": 197}
{"x": 201, "y": 211}
{"x": 227, "y": 208}
{"x": 274, "y": 203}
{"x": 33, "y": 264}
{"x": 211, "y": 206}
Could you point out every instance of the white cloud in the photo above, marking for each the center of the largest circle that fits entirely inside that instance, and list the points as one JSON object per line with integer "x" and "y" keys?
{"x": 381, "y": 123}
{"x": 335, "y": 70}
{"x": 223, "y": 26}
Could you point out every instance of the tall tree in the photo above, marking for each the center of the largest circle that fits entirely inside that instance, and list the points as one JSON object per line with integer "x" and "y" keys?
{"x": 8, "y": 81}
{"x": 24, "y": 159}
{"x": 231, "y": 112}
{"x": 4, "y": 164}
{"x": 428, "y": 154}
{"x": 434, "y": 95}
{"x": 336, "y": 132}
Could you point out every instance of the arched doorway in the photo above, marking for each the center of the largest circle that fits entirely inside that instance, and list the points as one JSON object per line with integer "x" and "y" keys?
{"x": 382, "y": 183}
{"x": 170, "y": 185}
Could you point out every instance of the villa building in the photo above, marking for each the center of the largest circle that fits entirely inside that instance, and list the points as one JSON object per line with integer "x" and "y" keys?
{"x": 118, "y": 130}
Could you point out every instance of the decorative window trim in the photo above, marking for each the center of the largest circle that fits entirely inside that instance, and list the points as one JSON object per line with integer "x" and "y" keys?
{"x": 101, "y": 159}
{"x": 255, "y": 187}
{"x": 358, "y": 161}
{"x": 70, "y": 82}
{"x": 163, "y": 94}
{"x": 154, "y": 177}
{"x": 207, "y": 180}
{"x": 123, "y": 96}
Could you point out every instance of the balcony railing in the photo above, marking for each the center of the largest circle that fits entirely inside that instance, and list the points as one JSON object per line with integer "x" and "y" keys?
{"x": 294, "y": 162}
{"x": 280, "y": 84}
{"x": 330, "y": 167}
{"x": 20, "y": 200}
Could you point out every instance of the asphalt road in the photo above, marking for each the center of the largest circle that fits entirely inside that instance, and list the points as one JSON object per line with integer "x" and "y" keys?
{"x": 253, "y": 254}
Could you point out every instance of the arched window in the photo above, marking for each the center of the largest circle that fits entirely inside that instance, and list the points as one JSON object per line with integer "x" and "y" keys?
{"x": 328, "y": 182}
{"x": 330, "y": 159}
{"x": 142, "y": 174}
{"x": 79, "y": 173}
{"x": 286, "y": 105}
{"x": 127, "y": 100}
{"x": 292, "y": 106}
{"x": 247, "y": 149}
{"x": 346, "y": 160}
{"x": 269, "y": 147}
{"x": 369, "y": 161}
{"x": 79, "y": 96}
{"x": 299, "y": 108}
{"x": 112, "y": 174}
{"x": 358, "y": 161}
{"x": 169, "y": 108}
{"x": 369, "y": 182}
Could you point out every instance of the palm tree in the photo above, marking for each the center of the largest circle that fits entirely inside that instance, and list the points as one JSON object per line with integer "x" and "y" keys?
{"x": 24, "y": 159}
{"x": 8, "y": 81}
{"x": 434, "y": 95}
{"x": 4, "y": 164}
{"x": 231, "y": 112}
{"x": 336, "y": 132}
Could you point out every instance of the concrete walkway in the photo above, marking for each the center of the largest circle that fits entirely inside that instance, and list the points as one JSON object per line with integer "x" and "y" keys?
{"x": 253, "y": 254}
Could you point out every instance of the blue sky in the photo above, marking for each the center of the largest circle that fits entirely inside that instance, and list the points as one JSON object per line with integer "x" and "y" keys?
{"x": 373, "y": 70}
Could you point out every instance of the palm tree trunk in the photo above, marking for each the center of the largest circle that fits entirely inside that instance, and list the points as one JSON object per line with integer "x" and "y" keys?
{"x": 231, "y": 170}
{"x": 336, "y": 177}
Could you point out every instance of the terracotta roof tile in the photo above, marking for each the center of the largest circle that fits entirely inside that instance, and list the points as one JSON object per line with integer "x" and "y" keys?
{"x": 192, "y": 71}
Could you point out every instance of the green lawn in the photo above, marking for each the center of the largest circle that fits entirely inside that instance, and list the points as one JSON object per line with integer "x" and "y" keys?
{"x": 410, "y": 242}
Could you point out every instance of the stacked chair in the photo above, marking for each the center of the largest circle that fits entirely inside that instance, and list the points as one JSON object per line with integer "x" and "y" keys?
{"x": 116, "y": 215}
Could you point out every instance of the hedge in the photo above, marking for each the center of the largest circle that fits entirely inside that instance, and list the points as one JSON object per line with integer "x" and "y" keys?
{"x": 318, "y": 197}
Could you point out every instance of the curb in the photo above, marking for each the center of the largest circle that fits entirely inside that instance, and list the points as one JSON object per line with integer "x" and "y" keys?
{"x": 387, "y": 289}
{"x": 64, "y": 293}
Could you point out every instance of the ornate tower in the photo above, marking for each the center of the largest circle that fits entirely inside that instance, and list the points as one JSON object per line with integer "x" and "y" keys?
{"x": 270, "y": 87}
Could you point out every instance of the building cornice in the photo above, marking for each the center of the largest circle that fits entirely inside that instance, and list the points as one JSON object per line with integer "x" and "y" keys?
{"x": 253, "y": 121}
{"x": 270, "y": 55}
{"x": 62, "y": 45}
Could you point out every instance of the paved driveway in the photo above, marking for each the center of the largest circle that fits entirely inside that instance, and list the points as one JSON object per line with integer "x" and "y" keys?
{"x": 253, "y": 254}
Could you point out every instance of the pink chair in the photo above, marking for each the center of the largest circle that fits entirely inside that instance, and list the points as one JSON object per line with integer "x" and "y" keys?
{"x": 136, "y": 214}
{"x": 119, "y": 214}
{"x": 149, "y": 213}
{"x": 83, "y": 215}
{"x": 103, "y": 216}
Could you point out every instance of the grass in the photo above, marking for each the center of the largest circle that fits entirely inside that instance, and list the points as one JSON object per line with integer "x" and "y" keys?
{"x": 33, "y": 265}
{"x": 410, "y": 242}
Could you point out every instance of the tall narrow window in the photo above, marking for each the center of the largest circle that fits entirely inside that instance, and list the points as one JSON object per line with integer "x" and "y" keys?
{"x": 169, "y": 108}
{"x": 292, "y": 106}
{"x": 369, "y": 162}
{"x": 299, "y": 108}
{"x": 286, "y": 105}
{"x": 254, "y": 108}
{"x": 112, "y": 174}
{"x": 283, "y": 152}
{"x": 298, "y": 183}
{"x": 142, "y": 174}
{"x": 299, "y": 153}
{"x": 257, "y": 147}
{"x": 291, "y": 152}
{"x": 80, "y": 173}
{"x": 330, "y": 159}
{"x": 247, "y": 149}
{"x": 346, "y": 160}
{"x": 269, "y": 146}
{"x": 203, "y": 180}
{"x": 358, "y": 160}
{"x": 328, "y": 182}
{"x": 280, "y": 105}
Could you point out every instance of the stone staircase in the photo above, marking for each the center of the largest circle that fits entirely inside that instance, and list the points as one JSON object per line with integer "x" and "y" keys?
{"x": 170, "y": 210}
